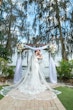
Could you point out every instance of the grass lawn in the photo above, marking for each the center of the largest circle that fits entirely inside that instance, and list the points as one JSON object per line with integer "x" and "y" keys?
{"x": 0, "y": 94}
{"x": 66, "y": 97}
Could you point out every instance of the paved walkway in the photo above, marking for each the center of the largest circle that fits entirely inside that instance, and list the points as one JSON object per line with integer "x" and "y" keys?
{"x": 8, "y": 103}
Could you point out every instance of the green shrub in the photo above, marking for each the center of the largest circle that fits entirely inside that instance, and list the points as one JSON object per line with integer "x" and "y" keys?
{"x": 7, "y": 71}
{"x": 64, "y": 69}
{"x": 4, "y": 53}
{"x": 3, "y": 63}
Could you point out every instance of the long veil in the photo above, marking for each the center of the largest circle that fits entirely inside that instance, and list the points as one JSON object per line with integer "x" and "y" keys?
{"x": 31, "y": 86}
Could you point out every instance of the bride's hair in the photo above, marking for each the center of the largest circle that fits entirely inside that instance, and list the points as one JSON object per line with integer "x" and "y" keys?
{"x": 36, "y": 51}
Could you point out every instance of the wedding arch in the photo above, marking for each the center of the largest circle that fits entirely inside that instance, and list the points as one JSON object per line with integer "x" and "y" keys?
{"x": 52, "y": 67}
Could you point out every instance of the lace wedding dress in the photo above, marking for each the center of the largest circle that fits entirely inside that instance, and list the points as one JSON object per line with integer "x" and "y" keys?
{"x": 32, "y": 86}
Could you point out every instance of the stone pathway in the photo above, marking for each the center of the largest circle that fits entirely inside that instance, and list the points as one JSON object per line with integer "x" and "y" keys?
{"x": 8, "y": 103}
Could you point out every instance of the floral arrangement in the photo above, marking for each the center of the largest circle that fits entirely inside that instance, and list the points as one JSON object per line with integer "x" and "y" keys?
{"x": 20, "y": 47}
{"x": 52, "y": 48}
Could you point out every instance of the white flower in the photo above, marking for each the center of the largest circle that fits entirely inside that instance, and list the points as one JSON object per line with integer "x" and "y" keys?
{"x": 20, "y": 47}
{"x": 52, "y": 48}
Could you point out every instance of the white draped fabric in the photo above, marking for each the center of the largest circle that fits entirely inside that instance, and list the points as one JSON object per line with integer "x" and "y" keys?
{"x": 52, "y": 71}
{"x": 18, "y": 70}
{"x": 36, "y": 48}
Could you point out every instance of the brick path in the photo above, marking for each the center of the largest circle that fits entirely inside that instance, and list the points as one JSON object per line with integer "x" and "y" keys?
{"x": 8, "y": 103}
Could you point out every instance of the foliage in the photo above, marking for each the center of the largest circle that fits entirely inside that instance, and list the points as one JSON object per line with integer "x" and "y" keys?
{"x": 4, "y": 53}
{"x": 64, "y": 69}
{"x": 46, "y": 15}
{"x": 6, "y": 70}
{"x": 1, "y": 96}
{"x": 3, "y": 63}
{"x": 66, "y": 97}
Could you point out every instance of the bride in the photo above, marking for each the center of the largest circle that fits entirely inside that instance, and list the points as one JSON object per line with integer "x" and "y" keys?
{"x": 33, "y": 85}
{"x": 34, "y": 82}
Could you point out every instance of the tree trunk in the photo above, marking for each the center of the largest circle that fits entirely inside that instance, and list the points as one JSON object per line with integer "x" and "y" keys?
{"x": 8, "y": 44}
{"x": 64, "y": 55}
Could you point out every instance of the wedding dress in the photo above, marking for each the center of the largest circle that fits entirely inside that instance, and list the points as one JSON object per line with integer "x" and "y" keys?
{"x": 32, "y": 86}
